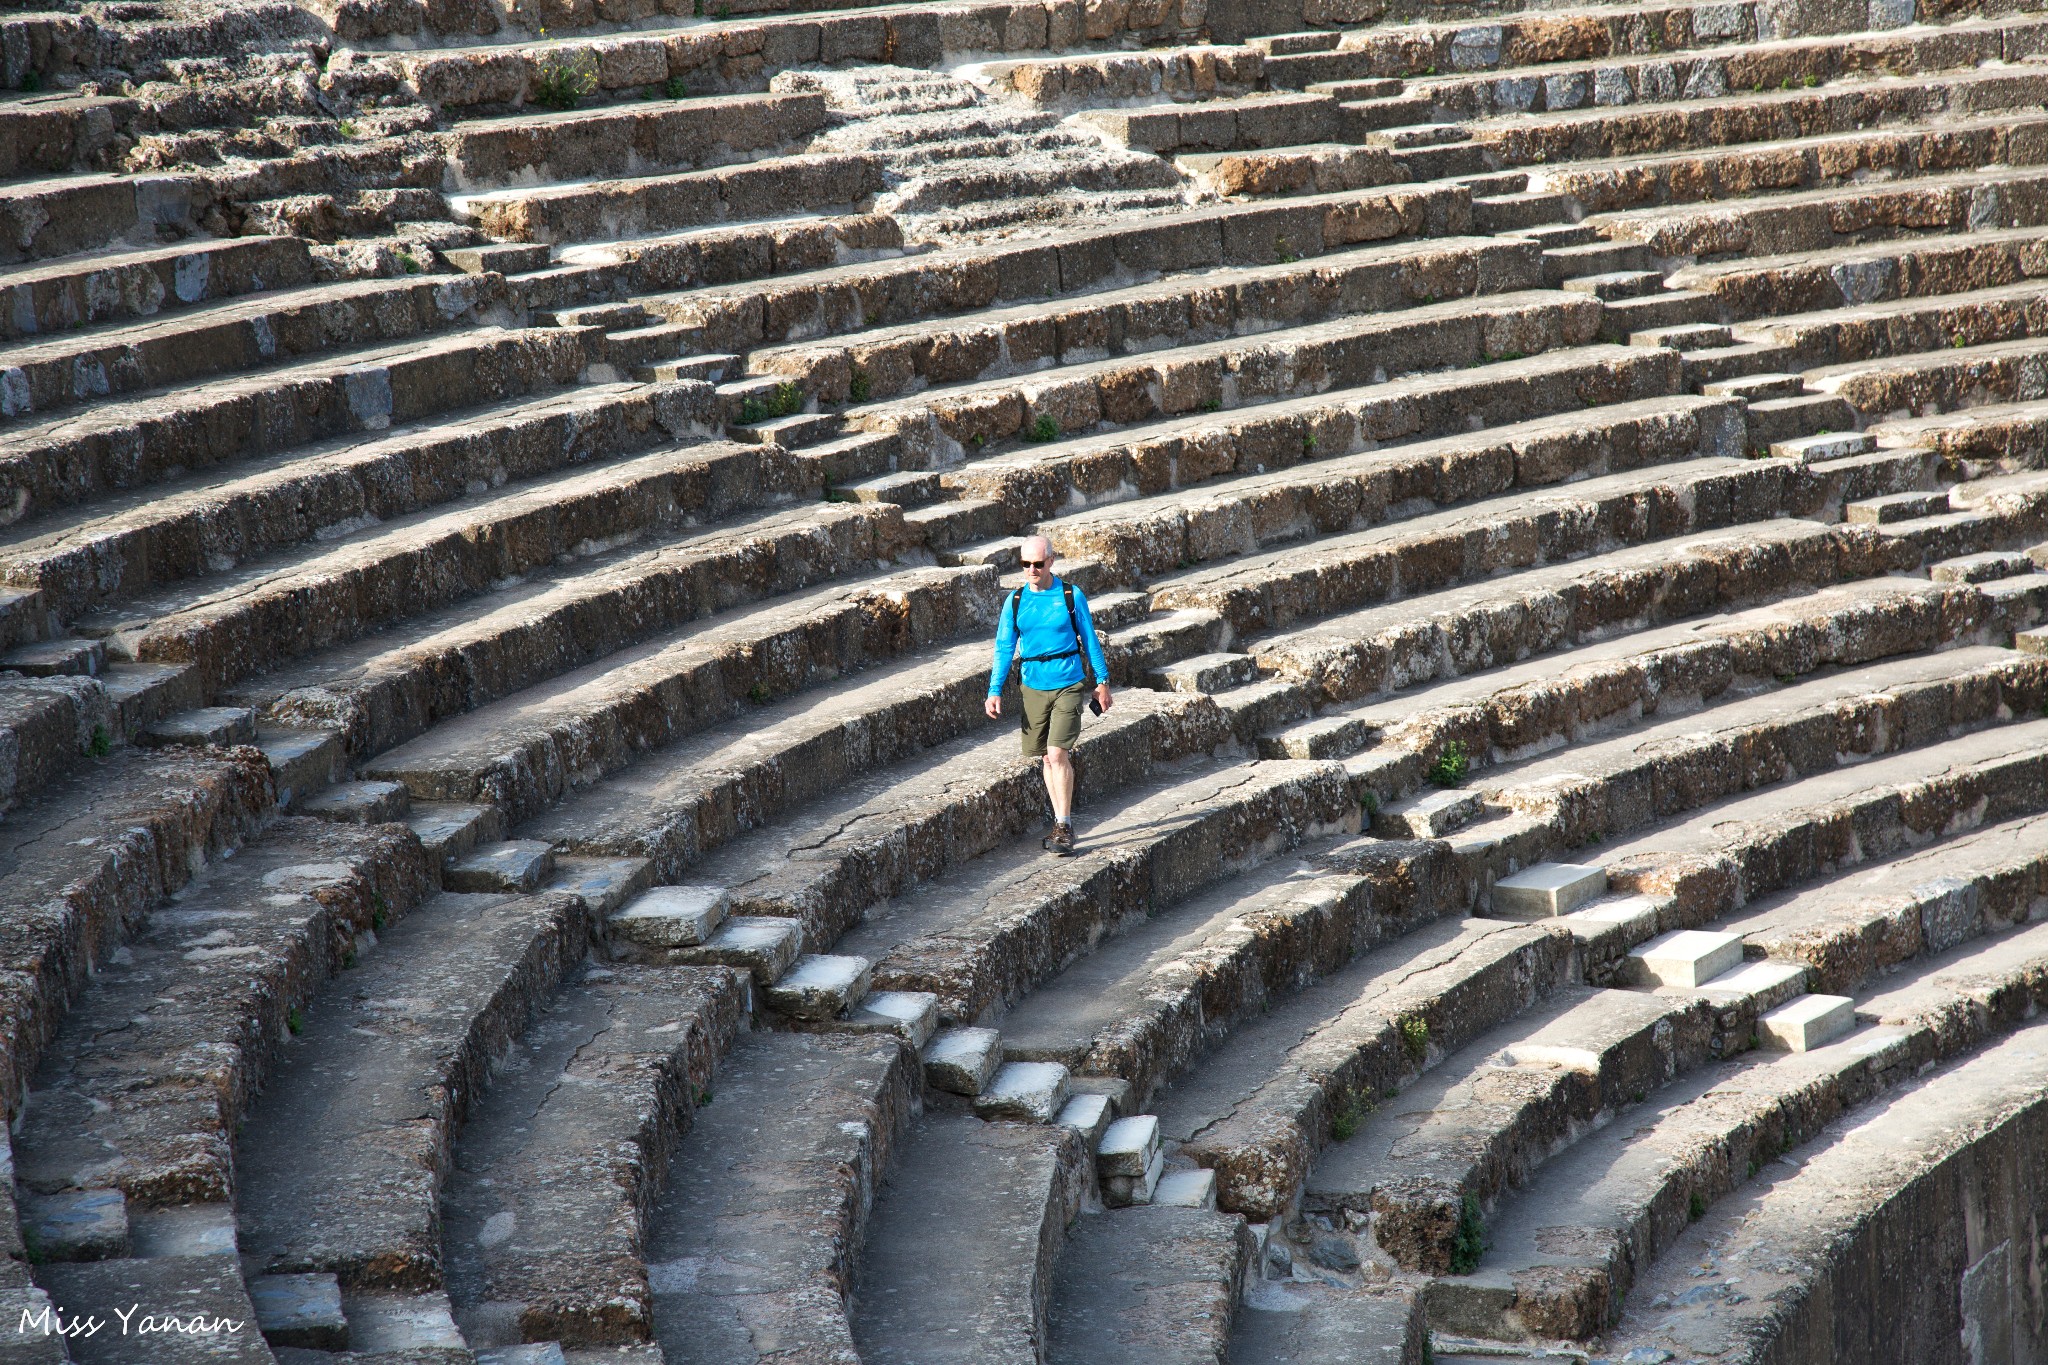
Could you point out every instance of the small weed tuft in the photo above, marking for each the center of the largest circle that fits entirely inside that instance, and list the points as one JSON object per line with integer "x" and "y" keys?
{"x": 1369, "y": 802}
{"x": 1415, "y": 1038}
{"x": 101, "y": 744}
{"x": 1468, "y": 1244}
{"x": 347, "y": 127}
{"x": 1283, "y": 252}
{"x": 676, "y": 88}
{"x": 977, "y": 440}
{"x": 758, "y": 694}
{"x": 31, "y": 81}
{"x": 1042, "y": 429}
{"x": 786, "y": 401}
{"x": 1696, "y": 1207}
{"x": 565, "y": 78}
{"x": 348, "y": 959}
{"x": 295, "y": 1021}
{"x": 1211, "y": 404}
{"x": 704, "y": 1097}
{"x": 1451, "y": 765}
{"x": 408, "y": 262}
{"x": 861, "y": 385}
{"x": 1812, "y": 82}
{"x": 753, "y": 410}
{"x": 1308, "y": 444}
{"x": 1344, "y": 1123}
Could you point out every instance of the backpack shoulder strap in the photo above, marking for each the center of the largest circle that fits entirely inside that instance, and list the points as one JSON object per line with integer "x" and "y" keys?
{"x": 1074, "y": 619}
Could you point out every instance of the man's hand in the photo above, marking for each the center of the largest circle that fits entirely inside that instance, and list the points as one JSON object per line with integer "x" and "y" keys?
{"x": 1102, "y": 695}
{"x": 993, "y": 707}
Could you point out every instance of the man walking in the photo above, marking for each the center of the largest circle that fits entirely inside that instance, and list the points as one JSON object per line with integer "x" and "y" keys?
{"x": 1046, "y": 625}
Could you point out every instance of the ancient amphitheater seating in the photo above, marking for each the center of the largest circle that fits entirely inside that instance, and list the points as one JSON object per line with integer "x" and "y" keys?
{"x": 502, "y": 513}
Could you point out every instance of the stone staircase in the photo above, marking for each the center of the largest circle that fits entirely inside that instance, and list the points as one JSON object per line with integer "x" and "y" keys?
{"x": 504, "y": 860}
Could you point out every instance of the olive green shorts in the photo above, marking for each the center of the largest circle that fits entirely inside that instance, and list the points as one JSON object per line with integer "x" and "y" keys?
{"x": 1052, "y": 719}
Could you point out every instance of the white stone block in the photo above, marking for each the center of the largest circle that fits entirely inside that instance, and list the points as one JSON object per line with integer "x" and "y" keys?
{"x": 1432, "y": 815}
{"x": 1187, "y": 1189}
{"x": 1122, "y": 1191}
{"x": 672, "y": 916}
{"x": 1128, "y": 1146}
{"x": 913, "y": 1014}
{"x": 1088, "y": 1115}
{"x": 1690, "y": 957}
{"x": 963, "y": 1060}
{"x": 1030, "y": 1091}
{"x": 1806, "y": 1023}
{"x": 820, "y": 986}
{"x": 1547, "y": 889}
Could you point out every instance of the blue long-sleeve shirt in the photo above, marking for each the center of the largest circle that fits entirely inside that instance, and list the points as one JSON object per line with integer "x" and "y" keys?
{"x": 1039, "y": 626}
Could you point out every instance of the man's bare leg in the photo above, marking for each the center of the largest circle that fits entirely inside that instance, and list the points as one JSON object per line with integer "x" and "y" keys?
{"x": 1059, "y": 784}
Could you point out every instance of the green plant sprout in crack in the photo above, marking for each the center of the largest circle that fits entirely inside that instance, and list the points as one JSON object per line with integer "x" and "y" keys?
{"x": 1283, "y": 252}
{"x": 1451, "y": 765}
{"x": 788, "y": 401}
{"x": 294, "y": 1021}
{"x": 101, "y": 744}
{"x": 1696, "y": 1207}
{"x": 1468, "y": 1244}
{"x": 1415, "y": 1038}
{"x": 676, "y": 88}
{"x": 1344, "y": 1123}
{"x": 1308, "y": 444}
{"x": 565, "y": 78}
{"x": 752, "y": 410}
{"x": 1042, "y": 429}
{"x": 860, "y": 386}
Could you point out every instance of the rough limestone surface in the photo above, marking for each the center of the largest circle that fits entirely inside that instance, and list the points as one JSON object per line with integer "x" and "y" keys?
{"x": 504, "y": 856}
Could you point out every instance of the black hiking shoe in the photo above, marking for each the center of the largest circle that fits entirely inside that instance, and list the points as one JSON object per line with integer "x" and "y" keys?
{"x": 1060, "y": 843}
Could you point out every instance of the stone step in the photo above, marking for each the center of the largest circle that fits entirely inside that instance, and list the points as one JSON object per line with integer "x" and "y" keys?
{"x": 1513, "y": 212}
{"x": 1571, "y": 262}
{"x": 1148, "y": 386}
{"x": 1501, "y": 713}
{"x": 1911, "y": 385}
{"x": 290, "y": 605}
{"x": 233, "y": 334}
{"x": 605, "y": 210}
{"x": 111, "y": 286}
{"x": 1243, "y": 123}
{"x": 51, "y": 725}
{"x": 1691, "y": 337}
{"x": 200, "y": 977}
{"x": 1150, "y": 317}
{"x": 1639, "y": 1186}
{"x": 1617, "y": 284}
{"x": 1266, "y": 1100}
{"x": 1148, "y": 1286}
{"x": 1313, "y": 168}
{"x": 1152, "y": 459}
{"x": 145, "y": 441}
{"x": 1713, "y": 72}
{"x": 1488, "y": 1115}
{"x": 990, "y": 933}
{"x": 822, "y": 1120}
{"x": 64, "y": 215}
{"x": 624, "y": 140}
{"x": 340, "y": 1163}
{"x": 729, "y": 253}
{"x": 1806, "y": 220}
{"x": 1658, "y": 770}
{"x": 1867, "y": 274}
{"x": 968, "y": 1227}
{"x": 1756, "y": 387}
{"x": 1924, "y": 901}
{"x": 206, "y": 522}
{"x": 171, "y": 812}
{"x": 1288, "y": 1327}
{"x": 1784, "y": 836}
{"x": 1667, "y": 308}
{"x": 1976, "y": 440}
{"x": 1772, "y": 420}
{"x": 541, "y": 1242}
{"x": 1233, "y": 298}
{"x": 207, "y": 1287}
{"x": 1795, "y": 124}
{"x": 1145, "y": 1003}
{"x": 1838, "y": 346}
{"x": 1896, "y": 507}
{"x": 1273, "y": 590}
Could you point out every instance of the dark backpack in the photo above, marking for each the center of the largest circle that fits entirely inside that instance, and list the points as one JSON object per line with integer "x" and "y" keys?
{"x": 1073, "y": 619}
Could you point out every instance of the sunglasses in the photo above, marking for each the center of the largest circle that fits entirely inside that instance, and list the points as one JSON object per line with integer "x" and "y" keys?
{"x": 1038, "y": 563}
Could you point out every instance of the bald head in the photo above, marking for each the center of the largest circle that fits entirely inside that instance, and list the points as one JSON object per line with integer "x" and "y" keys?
{"x": 1037, "y": 555}
{"x": 1037, "y": 547}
